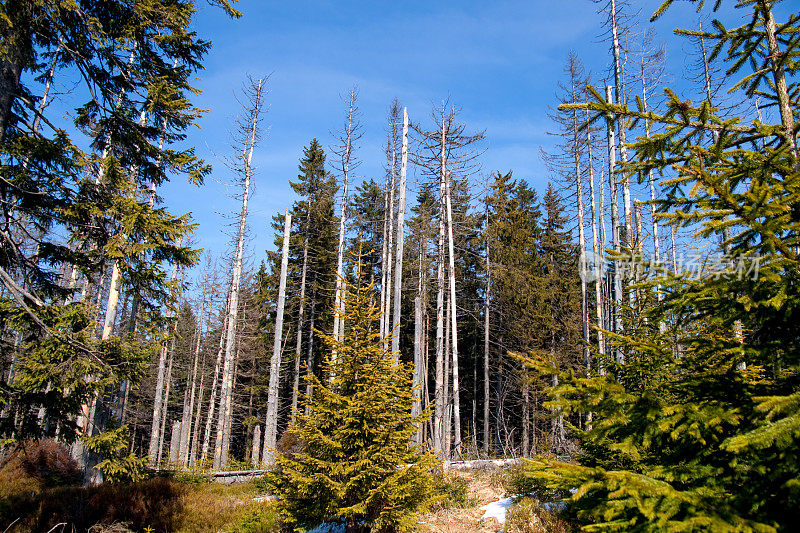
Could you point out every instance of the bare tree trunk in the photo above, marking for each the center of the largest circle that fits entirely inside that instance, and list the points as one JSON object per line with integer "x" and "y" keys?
{"x": 349, "y": 136}
{"x": 186, "y": 420}
{"x": 587, "y": 362}
{"x": 779, "y": 78}
{"x": 447, "y": 439}
{"x": 612, "y": 186}
{"x": 439, "y": 404}
{"x": 401, "y": 212}
{"x": 299, "y": 346}
{"x": 226, "y": 390}
{"x": 623, "y": 152}
{"x": 453, "y": 318}
{"x": 599, "y": 254}
{"x": 212, "y": 400}
{"x": 310, "y": 357}
{"x": 158, "y": 405}
{"x": 486, "y": 353}
{"x": 271, "y": 422}
{"x": 165, "y": 403}
{"x": 385, "y": 249}
{"x": 416, "y": 407}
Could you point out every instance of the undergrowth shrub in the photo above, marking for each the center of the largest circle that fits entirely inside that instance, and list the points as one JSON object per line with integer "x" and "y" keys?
{"x": 528, "y": 516}
{"x": 453, "y": 491}
{"x": 516, "y": 479}
{"x": 155, "y": 503}
{"x": 257, "y": 518}
{"x": 45, "y": 461}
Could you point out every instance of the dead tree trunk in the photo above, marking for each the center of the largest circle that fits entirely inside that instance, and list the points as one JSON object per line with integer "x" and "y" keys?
{"x": 345, "y": 151}
{"x": 158, "y": 405}
{"x": 486, "y": 324}
{"x": 615, "y": 229}
{"x": 597, "y": 250}
{"x": 453, "y": 319}
{"x": 248, "y": 128}
{"x": 271, "y": 422}
{"x": 299, "y": 345}
{"x": 401, "y": 213}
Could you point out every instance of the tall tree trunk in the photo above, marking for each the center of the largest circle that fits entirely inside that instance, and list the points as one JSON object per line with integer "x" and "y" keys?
{"x": 597, "y": 250}
{"x": 158, "y": 399}
{"x": 439, "y": 402}
{"x": 165, "y": 403}
{"x": 416, "y": 407}
{"x": 271, "y": 422}
{"x": 386, "y": 288}
{"x": 347, "y": 153}
{"x": 447, "y": 439}
{"x": 623, "y": 151}
{"x": 615, "y": 229}
{"x": 453, "y": 319}
{"x": 186, "y": 420}
{"x": 215, "y": 382}
{"x": 779, "y": 78}
{"x": 299, "y": 345}
{"x": 486, "y": 353}
{"x": 226, "y": 390}
{"x": 401, "y": 213}
{"x": 587, "y": 362}
{"x": 310, "y": 356}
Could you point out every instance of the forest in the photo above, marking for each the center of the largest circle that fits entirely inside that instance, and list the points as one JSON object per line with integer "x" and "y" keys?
{"x": 624, "y": 335}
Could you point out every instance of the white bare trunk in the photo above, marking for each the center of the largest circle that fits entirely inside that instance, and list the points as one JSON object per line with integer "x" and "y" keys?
{"x": 597, "y": 250}
{"x": 226, "y": 390}
{"x": 615, "y": 229}
{"x": 486, "y": 352}
{"x": 401, "y": 213}
{"x": 212, "y": 400}
{"x": 271, "y": 422}
{"x": 439, "y": 406}
{"x": 299, "y": 344}
{"x": 158, "y": 401}
{"x": 347, "y": 153}
{"x": 453, "y": 318}
{"x": 587, "y": 362}
{"x": 416, "y": 407}
{"x": 623, "y": 152}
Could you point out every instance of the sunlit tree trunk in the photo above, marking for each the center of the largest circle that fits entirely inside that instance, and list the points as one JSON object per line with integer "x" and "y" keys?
{"x": 271, "y": 422}
{"x": 401, "y": 212}
{"x": 252, "y": 115}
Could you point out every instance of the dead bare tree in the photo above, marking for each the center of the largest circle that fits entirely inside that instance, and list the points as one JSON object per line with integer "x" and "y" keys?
{"x": 448, "y": 154}
{"x": 245, "y": 138}
{"x": 347, "y": 144}
{"x": 271, "y": 421}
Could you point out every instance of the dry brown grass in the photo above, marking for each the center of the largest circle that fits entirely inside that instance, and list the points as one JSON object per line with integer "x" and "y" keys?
{"x": 486, "y": 488}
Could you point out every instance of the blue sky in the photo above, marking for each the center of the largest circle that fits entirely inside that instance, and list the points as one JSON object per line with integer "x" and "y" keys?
{"x": 499, "y": 61}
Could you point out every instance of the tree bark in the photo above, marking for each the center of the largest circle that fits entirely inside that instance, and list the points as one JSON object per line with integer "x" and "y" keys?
{"x": 615, "y": 230}
{"x": 453, "y": 319}
{"x": 401, "y": 213}
{"x": 158, "y": 405}
{"x": 271, "y": 422}
{"x": 347, "y": 152}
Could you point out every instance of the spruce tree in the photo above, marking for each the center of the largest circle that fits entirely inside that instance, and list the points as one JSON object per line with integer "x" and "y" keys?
{"x": 700, "y": 429}
{"x": 356, "y": 462}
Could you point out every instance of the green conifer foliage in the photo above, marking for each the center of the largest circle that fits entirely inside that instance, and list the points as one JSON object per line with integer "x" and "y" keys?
{"x": 700, "y": 429}
{"x": 357, "y": 463}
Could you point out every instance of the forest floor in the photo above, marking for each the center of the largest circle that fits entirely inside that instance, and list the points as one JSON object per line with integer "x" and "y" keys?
{"x": 483, "y": 488}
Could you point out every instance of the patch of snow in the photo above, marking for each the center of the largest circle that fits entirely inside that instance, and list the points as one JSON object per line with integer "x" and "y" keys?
{"x": 497, "y": 509}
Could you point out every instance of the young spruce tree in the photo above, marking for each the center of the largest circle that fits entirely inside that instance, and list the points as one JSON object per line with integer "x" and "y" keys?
{"x": 357, "y": 463}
